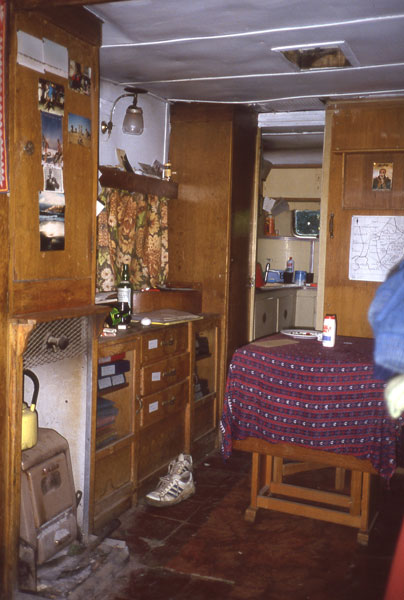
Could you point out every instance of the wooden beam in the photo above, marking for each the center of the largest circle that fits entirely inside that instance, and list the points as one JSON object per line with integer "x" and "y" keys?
{"x": 122, "y": 180}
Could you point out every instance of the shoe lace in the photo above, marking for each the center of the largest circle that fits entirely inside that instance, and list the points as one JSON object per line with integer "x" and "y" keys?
{"x": 177, "y": 467}
{"x": 165, "y": 483}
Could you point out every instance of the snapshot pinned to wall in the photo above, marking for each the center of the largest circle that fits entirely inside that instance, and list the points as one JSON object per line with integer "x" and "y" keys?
{"x": 382, "y": 177}
{"x": 51, "y": 97}
{"x": 53, "y": 178}
{"x": 52, "y": 140}
{"x": 79, "y": 77}
{"x": 79, "y": 129}
{"x": 51, "y": 220}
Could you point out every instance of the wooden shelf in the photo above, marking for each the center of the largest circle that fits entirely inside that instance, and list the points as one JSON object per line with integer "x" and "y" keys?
{"x": 111, "y": 177}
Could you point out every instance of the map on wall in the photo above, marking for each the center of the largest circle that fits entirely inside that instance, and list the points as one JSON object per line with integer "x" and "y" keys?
{"x": 376, "y": 245}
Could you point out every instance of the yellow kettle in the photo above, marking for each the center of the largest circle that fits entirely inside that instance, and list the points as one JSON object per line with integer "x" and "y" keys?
{"x": 29, "y": 435}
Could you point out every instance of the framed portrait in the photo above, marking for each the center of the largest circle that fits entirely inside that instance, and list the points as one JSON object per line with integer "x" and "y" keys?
{"x": 382, "y": 176}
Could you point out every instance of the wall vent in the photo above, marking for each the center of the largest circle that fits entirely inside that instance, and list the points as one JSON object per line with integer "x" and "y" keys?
{"x": 47, "y": 342}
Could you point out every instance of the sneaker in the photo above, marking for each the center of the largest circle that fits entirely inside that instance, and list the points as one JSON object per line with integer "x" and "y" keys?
{"x": 172, "y": 490}
{"x": 180, "y": 465}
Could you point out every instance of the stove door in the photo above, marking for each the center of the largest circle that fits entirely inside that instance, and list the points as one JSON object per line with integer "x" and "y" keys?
{"x": 51, "y": 487}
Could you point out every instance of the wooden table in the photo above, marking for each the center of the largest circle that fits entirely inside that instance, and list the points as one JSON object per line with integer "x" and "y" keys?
{"x": 298, "y": 406}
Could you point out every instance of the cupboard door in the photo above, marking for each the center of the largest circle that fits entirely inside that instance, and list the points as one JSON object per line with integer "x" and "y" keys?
{"x": 61, "y": 277}
{"x": 364, "y": 127}
{"x": 265, "y": 316}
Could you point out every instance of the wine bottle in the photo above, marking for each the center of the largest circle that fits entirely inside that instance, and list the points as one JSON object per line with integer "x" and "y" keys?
{"x": 124, "y": 288}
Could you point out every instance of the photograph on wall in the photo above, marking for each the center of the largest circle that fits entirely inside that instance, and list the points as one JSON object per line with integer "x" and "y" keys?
{"x": 79, "y": 129}
{"x": 51, "y": 220}
{"x": 382, "y": 178}
{"x": 51, "y": 97}
{"x": 52, "y": 178}
{"x": 52, "y": 136}
{"x": 79, "y": 77}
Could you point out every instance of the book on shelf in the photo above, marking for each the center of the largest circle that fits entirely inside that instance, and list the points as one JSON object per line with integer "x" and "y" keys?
{"x": 112, "y": 358}
{"x": 113, "y": 368}
{"x": 111, "y": 381}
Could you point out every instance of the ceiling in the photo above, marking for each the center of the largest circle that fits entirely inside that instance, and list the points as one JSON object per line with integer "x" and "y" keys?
{"x": 228, "y": 51}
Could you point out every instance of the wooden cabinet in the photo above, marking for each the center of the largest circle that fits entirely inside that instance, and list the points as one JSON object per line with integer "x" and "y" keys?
{"x": 163, "y": 399}
{"x": 213, "y": 154}
{"x": 35, "y": 282}
{"x": 274, "y": 310}
{"x": 158, "y": 412}
{"x": 52, "y": 279}
{"x": 113, "y": 437}
{"x": 204, "y": 397}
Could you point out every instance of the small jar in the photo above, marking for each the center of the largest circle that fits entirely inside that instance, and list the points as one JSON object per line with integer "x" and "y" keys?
{"x": 269, "y": 225}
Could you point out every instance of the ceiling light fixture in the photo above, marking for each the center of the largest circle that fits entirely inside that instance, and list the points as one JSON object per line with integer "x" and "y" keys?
{"x": 133, "y": 121}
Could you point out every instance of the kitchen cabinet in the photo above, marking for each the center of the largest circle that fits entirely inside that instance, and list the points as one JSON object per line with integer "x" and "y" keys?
{"x": 274, "y": 310}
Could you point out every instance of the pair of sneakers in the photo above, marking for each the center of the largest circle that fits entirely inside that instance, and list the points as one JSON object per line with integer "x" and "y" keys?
{"x": 176, "y": 486}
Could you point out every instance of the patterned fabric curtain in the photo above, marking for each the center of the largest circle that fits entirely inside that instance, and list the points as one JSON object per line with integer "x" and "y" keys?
{"x": 132, "y": 229}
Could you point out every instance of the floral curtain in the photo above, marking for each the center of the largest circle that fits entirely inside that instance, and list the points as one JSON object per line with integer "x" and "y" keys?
{"x": 131, "y": 229}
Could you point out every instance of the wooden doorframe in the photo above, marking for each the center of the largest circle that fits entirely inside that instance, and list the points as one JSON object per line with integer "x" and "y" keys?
{"x": 254, "y": 233}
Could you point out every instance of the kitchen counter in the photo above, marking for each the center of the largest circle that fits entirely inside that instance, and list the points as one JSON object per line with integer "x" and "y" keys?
{"x": 282, "y": 286}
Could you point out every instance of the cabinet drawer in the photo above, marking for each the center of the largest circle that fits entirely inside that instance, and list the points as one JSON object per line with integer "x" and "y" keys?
{"x": 163, "y": 373}
{"x": 163, "y": 342}
{"x": 159, "y": 406}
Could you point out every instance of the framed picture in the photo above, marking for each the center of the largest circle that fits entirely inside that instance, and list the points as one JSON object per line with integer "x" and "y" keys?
{"x": 382, "y": 176}
{"x": 368, "y": 180}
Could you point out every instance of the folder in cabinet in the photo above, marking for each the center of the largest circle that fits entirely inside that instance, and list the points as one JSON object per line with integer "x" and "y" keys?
{"x": 113, "y": 368}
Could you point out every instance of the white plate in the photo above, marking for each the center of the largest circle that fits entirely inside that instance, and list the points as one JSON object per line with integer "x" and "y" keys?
{"x": 303, "y": 334}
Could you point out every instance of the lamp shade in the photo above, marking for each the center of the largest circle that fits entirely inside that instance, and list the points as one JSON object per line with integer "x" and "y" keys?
{"x": 133, "y": 121}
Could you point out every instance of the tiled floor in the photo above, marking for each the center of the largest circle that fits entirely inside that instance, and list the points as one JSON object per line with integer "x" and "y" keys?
{"x": 203, "y": 547}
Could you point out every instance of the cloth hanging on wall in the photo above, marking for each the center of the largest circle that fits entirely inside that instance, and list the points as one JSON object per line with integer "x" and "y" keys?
{"x": 3, "y": 148}
{"x": 132, "y": 229}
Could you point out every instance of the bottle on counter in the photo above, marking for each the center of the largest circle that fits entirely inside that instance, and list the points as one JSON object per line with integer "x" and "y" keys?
{"x": 290, "y": 265}
{"x": 124, "y": 287}
{"x": 329, "y": 331}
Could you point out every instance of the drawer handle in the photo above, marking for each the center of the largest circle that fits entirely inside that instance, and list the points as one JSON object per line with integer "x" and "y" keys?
{"x": 171, "y": 401}
{"x": 169, "y": 342}
{"x": 169, "y": 373}
{"x": 139, "y": 400}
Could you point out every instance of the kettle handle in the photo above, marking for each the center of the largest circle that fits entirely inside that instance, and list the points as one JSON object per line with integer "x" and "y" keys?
{"x": 35, "y": 381}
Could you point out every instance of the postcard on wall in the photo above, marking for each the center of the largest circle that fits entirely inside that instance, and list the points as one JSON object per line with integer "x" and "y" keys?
{"x": 52, "y": 144}
{"x": 79, "y": 130}
{"x": 51, "y": 220}
{"x": 30, "y": 51}
{"x": 382, "y": 177}
{"x": 51, "y": 97}
{"x": 52, "y": 178}
{"x": 79, "y": 77}
{"x": 55, "y": 58}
